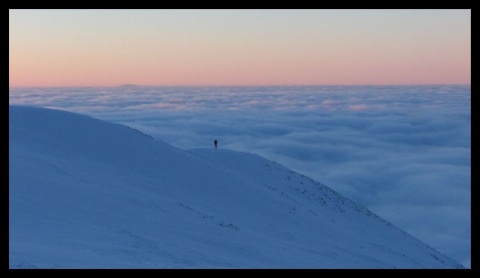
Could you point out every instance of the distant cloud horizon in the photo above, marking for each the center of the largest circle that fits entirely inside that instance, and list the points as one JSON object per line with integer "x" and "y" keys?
{"x": 233, "y": 85}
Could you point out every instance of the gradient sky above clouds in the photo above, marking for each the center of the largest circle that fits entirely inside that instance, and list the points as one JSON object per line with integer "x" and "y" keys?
{"x": 238, "y": 47}
{"x": 402, "y": 151}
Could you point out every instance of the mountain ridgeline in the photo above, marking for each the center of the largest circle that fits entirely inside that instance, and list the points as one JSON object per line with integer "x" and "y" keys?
{"x": 85, "y": 193}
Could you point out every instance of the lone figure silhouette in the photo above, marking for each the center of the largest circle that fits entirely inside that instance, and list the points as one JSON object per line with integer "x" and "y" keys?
{"x": 215, "y": 142}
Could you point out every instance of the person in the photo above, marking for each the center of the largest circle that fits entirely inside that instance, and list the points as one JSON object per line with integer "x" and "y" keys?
{"x": 215, "y": 143}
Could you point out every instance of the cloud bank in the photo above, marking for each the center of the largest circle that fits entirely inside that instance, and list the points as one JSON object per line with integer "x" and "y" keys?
{"x": 402, "y": 151}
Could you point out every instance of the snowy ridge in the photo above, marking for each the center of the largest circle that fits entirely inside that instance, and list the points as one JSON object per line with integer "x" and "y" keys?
{"x": 85, "y": 193}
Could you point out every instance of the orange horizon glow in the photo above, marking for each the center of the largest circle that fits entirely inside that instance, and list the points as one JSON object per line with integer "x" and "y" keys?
{"x": 64, "y": 48}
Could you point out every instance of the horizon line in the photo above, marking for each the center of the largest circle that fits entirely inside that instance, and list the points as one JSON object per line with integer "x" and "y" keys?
{"x": 289, "y": 85}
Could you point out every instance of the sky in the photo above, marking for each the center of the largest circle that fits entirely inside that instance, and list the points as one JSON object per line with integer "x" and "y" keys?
{"x": 404, "y": 152}
{"x": 49, "y": 48}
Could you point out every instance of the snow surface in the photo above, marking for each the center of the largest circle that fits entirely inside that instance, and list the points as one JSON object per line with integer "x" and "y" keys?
{"x": 85, "y": 193}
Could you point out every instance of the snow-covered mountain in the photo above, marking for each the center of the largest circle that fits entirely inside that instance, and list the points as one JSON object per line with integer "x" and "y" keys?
{"x": 85, "y": 193}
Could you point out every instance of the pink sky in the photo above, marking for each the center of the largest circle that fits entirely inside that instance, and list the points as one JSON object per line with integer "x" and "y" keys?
{"x": 320, "y": 47}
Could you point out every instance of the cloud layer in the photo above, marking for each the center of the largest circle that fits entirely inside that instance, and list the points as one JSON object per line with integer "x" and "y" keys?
{"x": 402, "y": 151}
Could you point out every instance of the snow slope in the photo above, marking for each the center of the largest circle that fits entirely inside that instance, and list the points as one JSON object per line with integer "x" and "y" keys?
{"x": 85, "y": 193}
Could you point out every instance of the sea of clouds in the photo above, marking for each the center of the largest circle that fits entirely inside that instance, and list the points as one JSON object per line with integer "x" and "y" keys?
{"x": 402, "y": 151}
